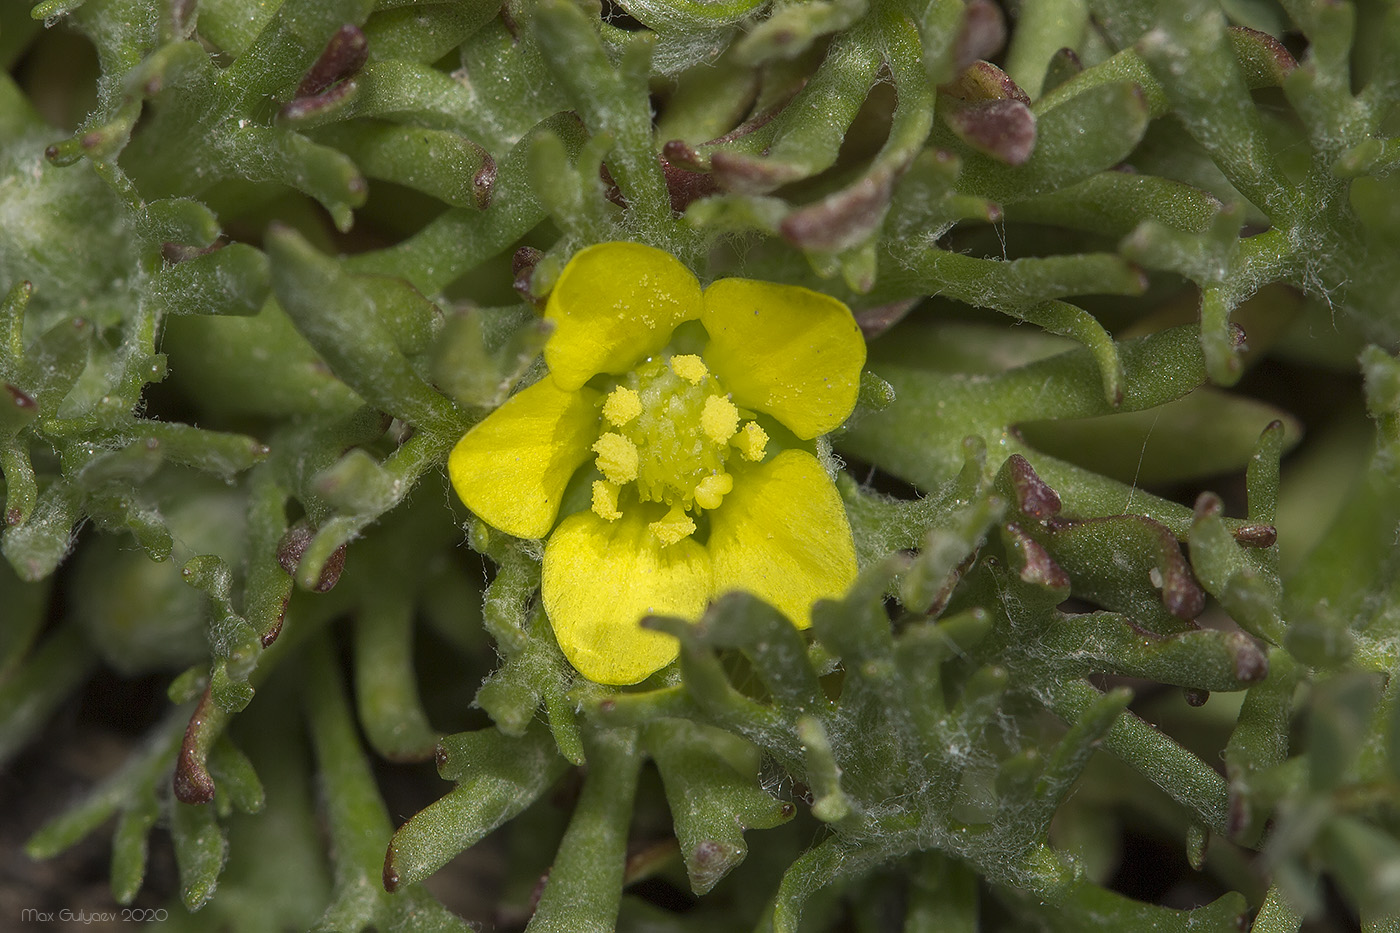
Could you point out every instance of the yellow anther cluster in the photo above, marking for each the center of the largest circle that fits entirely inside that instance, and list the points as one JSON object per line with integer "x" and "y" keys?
{"x": 752, "y": 441}
{"x": 690, "y": 368}
{"x": 711, "y": 490}
{"x": 605, "y": 500}
{"x": 674, "y": 527}
{"x": 617, "y": 458}
{"x": 669, "y": 429}
{"x": 622, "y": 405}
{"x": 719, "y": 419}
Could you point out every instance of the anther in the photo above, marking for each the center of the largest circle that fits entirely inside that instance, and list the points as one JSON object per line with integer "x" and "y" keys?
{"x": 689, "y": 367}
{"x": 622, "y": 405}
{"x": 617, "y": 458}
{"x": 719, "y": 419}
{"x": 674, "y": 527}
{"x": 752, "y": 441}
{"x": 605, "y": 500}
{"x": 711, "y": 490}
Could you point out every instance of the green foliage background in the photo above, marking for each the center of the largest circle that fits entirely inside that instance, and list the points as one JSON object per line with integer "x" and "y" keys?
{"x": 266, "y": 262}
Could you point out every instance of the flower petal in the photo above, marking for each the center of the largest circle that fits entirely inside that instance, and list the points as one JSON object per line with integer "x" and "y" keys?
{"x": 614, "y": 304}
{"x": 511, "y": 469}
{"x": 789, "y": 351}
{"x": 601, "y": 578}
{"x": 782, "y": 535}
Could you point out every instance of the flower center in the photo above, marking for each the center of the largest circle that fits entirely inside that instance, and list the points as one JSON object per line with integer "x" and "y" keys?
{"x": 673, "y": 428}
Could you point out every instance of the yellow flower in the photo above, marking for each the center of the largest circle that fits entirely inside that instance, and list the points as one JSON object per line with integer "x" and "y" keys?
{"x": 666, "y": 388}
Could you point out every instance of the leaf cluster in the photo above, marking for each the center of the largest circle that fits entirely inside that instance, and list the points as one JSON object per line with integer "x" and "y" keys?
{"x": 264, "y": 263}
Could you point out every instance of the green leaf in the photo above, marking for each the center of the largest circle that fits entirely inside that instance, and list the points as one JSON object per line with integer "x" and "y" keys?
{"x": 1364, "y": 860}
{"x": 126, "y": 789}
{"x": 36, "y": 547}
{"x": 130, "y": 846}
{"x": 232, "y": 280}
{"x": 26, "y": 605}
{"x": 805, "y": 137}
{"x": 792, "y": 29}
{"x": 943, "y": 897}
{"x": 1183, "y": 776}
{"x": 358, "y": 822}
{"x": 1116, "y": 203}
{"x": 811, "y": 872}
{"x": 386, "y": 688}
{"x": 461, "y": 239}
{"x": 1066, "y": 763}
{"x": 54, "y": 363}
{"x": 1277, "y": 915}
{"x": 829, "y": 803}
{"x": 777, "y": 652}
{"x": 1190, "y": 54}
{"x": 1041, "y": 31}
{"x": 1249, "y": 594}
{"x": 446, "y": 165}
{"x": 338, "y": 317}
{"x": 1100, "y": 642}
{"x": 425, "y": 32}
{"x": 287, "y": 46}
{"x": 253, "y": 365}
{"x": 1338, "y": 727}
{"x": 497, "y": 777}
{"x": 236, "y": 777}
{"x": 919, "y": 436}
{"x": 712, "y": 799}
{"x": 585, "y": 881}
{"x": 676, "y": 15}
{"x": 1206, "y": 433}
{"x": 1259, "y": 741}
{"x": 200, "y": 851}
{"x": 610, "y": 98}
{"x": 1065, "y": 151}
{"x": 356, "y": 483}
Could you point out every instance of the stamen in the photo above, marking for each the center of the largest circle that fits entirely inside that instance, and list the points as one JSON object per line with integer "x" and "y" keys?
{"x": 617, "y": 458}
{"x": 676, "y": 526}
{"x": 622, "y": 405}
{"x": 752, "y": 441}
{"x": 689, "y": 367}
{"x": 719, "y": 419}
{"x": 605, "y": 500}
{"x": 711, "y": 490}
